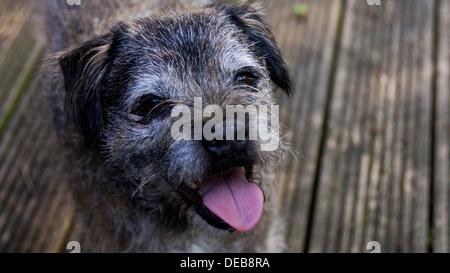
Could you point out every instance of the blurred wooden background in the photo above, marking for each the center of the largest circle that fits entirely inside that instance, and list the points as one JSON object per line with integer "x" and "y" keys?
{"x": 369, "y": 125}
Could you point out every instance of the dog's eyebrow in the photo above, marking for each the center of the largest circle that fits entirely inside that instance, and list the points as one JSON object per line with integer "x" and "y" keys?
{"x": 258, "y": 70}
{"x": 142, "y": 85}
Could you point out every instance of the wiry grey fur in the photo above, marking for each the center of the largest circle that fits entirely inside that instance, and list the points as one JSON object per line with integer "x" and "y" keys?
{"x": 127, "y": 169}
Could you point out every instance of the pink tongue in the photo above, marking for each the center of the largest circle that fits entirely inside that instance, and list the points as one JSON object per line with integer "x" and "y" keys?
{"x": 234, "y": 199}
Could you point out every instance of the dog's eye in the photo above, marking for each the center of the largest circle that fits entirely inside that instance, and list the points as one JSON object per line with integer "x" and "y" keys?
{"x": 146, "y": 104}
{"x": 246, "y": 78}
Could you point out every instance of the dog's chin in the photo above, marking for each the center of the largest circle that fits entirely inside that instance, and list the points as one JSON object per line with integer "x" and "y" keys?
{"x": 213, "y": 213}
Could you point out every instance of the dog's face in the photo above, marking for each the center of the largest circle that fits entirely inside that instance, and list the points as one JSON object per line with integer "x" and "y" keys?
{"x": 120, "y": 93}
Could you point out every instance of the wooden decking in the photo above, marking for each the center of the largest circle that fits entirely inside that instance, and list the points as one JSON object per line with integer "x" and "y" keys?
{"x": 368, "y": 126}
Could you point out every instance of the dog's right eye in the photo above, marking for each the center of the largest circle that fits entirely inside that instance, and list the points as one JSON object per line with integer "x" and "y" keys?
{"x": 246, "y": 78}
{"x": 146, "y": 105}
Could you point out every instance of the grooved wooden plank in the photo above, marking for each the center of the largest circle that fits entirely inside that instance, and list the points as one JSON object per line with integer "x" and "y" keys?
{"x": 33, "y": 196}
{"x": 441, "y": 201}
{"x": 51, "y": 229}
{"x": 308, "y": 44}
{"x": 13, "y": 61}
{"x": 63, "y": 237}
{"x": 374, "y": 183}
{"x": 13, "y": 16}
{"x": 21, "y": 175}
{"x": 21, "y": 83}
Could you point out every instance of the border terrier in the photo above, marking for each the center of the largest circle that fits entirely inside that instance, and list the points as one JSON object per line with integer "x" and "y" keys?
{"x": 120, "y": 69}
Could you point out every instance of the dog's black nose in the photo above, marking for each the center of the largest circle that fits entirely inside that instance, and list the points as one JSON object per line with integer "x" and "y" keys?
{"x": 228, "y": 148}
{"x": 225, "y": 148}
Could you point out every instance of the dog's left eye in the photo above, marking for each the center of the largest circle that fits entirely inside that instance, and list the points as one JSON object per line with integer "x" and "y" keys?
{"x": 246, "y": 78}
{"x": 146, "y": 104}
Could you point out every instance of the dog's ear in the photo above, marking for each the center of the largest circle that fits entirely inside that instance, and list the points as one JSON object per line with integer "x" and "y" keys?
{"x": 251, "y": 21}
{"x": 83, "y": 70}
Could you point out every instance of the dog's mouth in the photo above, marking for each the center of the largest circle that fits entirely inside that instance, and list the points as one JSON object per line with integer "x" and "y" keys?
{"x": 227, "y": 200}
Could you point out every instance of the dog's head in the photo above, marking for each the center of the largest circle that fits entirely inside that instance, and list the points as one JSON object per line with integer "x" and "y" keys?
{"x": 122, "y": 90}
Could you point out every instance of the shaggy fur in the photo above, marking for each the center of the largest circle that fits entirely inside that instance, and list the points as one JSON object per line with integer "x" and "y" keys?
{"x": 112, "y": 92}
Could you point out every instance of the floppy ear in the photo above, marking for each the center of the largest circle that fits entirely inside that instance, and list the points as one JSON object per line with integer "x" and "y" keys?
{"x": 252, "y": 23}
{"x": 83, "y": 70}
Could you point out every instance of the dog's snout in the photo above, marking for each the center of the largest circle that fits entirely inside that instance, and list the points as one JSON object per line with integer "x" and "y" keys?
{"x": 216, "y": 147}
{"x": 225, "y": 148}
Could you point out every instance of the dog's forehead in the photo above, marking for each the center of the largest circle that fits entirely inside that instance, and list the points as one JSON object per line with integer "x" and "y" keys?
{"x": 189, "y": 39}
{"x": 190, "y": 45}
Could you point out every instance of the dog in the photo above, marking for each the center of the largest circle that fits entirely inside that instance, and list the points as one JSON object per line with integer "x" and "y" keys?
{"x": 119, "y": 70}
